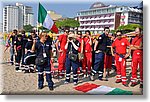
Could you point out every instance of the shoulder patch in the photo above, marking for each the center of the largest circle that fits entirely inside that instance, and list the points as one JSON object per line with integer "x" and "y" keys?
{"x": 100, "y": 37}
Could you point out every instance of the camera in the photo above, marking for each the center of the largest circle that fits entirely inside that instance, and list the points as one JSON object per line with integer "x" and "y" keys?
{"x": 70, "y": 38}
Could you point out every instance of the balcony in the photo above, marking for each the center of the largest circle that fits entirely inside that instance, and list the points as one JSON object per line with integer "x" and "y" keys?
{"x": 97, "y": 18}
{"x": 102, "y": 23}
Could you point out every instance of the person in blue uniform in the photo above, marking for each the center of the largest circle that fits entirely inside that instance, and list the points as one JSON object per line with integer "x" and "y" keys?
{"x": 12, "y": 38}
{"x": 24, "y": 41}
{"x": 72, "y": 60}
{"x": 100, "y": 49}
{"x": 29, "y": 58}
{"x": 18, "y": 51}
{"x": 43, "y": 53}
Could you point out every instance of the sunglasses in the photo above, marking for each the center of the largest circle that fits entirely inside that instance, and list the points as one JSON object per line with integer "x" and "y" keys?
{"x": 107, "y": 30}
{"x": 118, "y": 35}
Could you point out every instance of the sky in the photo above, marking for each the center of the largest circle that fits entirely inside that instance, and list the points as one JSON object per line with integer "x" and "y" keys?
{"x": 66, "y": 8}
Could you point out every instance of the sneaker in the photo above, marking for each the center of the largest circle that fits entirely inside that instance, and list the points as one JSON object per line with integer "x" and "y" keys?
{"x": 141, "y": 85}
{"x": 75, "y": 83}
{"x": 18, "y": 70}
{"x": 92, "y": 78}
{"x": 40, "y": 87}
{"x": 133, "y": 84}
{"x": 51, "y": 88}
{"x": 84, "y": 76}
{"x": 66, "y": 82}
{"x": 31, "y": 71}
{"x": 118, "y": 81}
{"x": 105, "y": 79}
{"x": 26, "y": 71}
{"x": 12, "y": 63}
{"x": 126, "y": 85}
{"x": 100, "y": 79}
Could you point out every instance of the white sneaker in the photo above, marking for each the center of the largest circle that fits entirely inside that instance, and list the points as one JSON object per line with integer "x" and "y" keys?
{"x": 92, "y": 78}
{"x": 66, "y": 82}
{"x": 18, "y": 71}
{"x": 75, "y": 83}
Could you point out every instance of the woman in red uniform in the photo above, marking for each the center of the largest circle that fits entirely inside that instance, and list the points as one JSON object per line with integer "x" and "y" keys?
{"x": 88, "y": 52}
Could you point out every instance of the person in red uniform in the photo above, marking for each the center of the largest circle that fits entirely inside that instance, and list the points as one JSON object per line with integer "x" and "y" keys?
{"x": 60, "y": 44}
{"x": 108, "y": 59}
{"x": 88, "y": 52}
{"x": 120, "y": 45}
{"x": 137, "y": 57}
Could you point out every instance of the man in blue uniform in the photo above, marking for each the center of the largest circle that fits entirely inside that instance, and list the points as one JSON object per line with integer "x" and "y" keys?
{"x": 43, "y": 53}
{"x": 100, "y": 48}
{"x": 18, "y": 51}
{"x": 72, "y": 60}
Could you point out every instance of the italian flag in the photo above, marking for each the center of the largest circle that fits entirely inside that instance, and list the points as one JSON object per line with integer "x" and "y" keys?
{"x": 94, "y": 89}
{"x": 45, "y": 20}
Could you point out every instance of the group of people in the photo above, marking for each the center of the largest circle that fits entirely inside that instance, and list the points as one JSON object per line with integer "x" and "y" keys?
{"x": 78, "y": 53}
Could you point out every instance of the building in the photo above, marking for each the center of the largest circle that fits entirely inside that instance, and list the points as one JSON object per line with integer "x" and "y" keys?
{"x": 28, "y": 15}
{"x": 10, "y": 18}
{"x": 16, "y": 16}
{"x": 100, "y": 16}
{"x": 1, "y": 27}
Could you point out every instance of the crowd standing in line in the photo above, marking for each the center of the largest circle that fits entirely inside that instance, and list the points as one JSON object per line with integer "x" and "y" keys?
{"x": 79, "y": 53}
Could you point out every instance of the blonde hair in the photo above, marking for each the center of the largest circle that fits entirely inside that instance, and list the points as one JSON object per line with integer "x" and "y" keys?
{"x": 42, "y": 34}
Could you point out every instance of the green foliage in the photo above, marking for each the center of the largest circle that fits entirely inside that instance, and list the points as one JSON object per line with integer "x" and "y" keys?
{"x": 129, "y": 27}
{"x": 67, "y": 23}
{"x": 28, "y": 28}
{"x": 112, "y": 31}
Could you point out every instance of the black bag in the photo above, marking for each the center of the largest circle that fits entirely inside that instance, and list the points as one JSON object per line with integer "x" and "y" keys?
{"x": 39, "y": 61}
{"x": 72, "y": 56}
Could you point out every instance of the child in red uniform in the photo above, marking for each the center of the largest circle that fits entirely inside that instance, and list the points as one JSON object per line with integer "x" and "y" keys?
{"x": 120, "y": 45}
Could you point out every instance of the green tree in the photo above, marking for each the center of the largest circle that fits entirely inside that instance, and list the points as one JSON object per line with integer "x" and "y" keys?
{"x": 129, "y": 27}
{"x": 27, "y": 28}
{"x": 67, "y": 23}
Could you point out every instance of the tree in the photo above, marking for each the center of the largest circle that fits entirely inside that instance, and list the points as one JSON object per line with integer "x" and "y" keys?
{"x": 27, "y": 28}
{"x": 67, "y": 23}
{"x": 129, "y": 27}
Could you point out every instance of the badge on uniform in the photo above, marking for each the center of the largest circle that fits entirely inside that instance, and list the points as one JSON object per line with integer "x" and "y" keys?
{"x": 44, "y": 55}
{"x": 120, "y": 59}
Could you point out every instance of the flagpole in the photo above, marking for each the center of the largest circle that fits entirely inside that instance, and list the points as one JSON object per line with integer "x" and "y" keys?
{"x": 37, "y": 29}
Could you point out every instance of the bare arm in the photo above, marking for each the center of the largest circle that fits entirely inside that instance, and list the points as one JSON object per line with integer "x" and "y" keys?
{"x": 112, "y": 51}
{"x": 96, "y": 43}
{"x": 82, "y": 44}
{"x": 33, "y": 46}
{"x": 74, "y": 45}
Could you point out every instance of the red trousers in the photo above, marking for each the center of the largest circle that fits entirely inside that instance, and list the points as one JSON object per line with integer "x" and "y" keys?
{"x": 137, "y": 59}
{"x": 107, "y": 61}
{"x": 121, "y": 68}
{"x": 87, "y": 62}
{"x": 61, "y": 61}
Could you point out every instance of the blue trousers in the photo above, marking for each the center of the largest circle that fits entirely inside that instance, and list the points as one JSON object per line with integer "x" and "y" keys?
{"x": 12, "y": 54}
{"x": 41, "y": 70}
{"x": 98, "y": 64}
{"x": 75, "y": 65}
